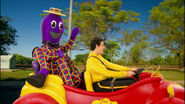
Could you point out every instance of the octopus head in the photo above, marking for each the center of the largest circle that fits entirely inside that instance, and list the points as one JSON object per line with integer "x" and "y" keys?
{"x": 52, "y": 28}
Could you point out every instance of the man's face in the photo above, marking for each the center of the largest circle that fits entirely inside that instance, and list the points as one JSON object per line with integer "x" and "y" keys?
{"x": 100, "y": 49}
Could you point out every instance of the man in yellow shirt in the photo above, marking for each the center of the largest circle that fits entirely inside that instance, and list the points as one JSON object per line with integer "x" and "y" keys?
{"x": 99, "y": 68}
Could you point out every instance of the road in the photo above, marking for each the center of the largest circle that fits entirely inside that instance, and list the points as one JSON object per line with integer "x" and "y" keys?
{"x": 10, "y": 91}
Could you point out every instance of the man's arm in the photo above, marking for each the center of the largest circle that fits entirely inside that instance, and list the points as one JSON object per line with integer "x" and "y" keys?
{"x": 96, "y": 66}
{"x": 114, "y": 66}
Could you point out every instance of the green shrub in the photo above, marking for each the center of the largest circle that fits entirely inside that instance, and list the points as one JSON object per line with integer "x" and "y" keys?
{"x": 22, "y": 59}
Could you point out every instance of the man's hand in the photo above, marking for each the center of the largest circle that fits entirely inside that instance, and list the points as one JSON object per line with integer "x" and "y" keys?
{"x": 133, "y": 69}
{"x": 130, "y": 73}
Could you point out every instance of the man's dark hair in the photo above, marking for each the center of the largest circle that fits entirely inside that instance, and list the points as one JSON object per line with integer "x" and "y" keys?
{"x": 95, "y": 41}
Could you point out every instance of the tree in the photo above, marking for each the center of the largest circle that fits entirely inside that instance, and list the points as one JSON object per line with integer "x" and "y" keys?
{"x": 81, "y": 59}
{"x": 167, "y": 27}
{"x": 158, "y": 61}
{"x": 101, "y": 18}
{"x": 135, "y": 43}
{"x": 112, "y": 50}
{"x": 171, "y": 60}
{"x": 7, "y": 35}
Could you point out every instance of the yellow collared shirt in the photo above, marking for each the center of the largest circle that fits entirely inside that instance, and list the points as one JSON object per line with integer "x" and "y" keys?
{"x": 99, "y": 71}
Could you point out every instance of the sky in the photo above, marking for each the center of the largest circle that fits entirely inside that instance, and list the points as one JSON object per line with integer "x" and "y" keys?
{"x": 26, "y": 19}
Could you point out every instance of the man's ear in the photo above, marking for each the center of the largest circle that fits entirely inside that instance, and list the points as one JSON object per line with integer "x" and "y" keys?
{"x": 97, "y": 46}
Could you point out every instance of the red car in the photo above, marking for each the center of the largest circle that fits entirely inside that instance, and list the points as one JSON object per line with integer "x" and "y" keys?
{"x": 150, "y": 88}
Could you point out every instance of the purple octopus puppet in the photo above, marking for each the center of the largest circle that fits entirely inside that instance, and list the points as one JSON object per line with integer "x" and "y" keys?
{"x": 51, "y": 58}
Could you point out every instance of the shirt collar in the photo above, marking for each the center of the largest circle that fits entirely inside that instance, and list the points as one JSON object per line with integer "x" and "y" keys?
{"x": 93, "y": 54}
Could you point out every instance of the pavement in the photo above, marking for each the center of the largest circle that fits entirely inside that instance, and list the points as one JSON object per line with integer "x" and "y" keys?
{"x": 12, "y": 84}
{"x": 10, "y": 91}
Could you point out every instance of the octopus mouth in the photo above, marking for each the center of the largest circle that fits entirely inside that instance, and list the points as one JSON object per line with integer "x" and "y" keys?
{"x": 54, "y": 35}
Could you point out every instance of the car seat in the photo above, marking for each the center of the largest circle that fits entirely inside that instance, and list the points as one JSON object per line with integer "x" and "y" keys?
{"x": 88, "y": 81}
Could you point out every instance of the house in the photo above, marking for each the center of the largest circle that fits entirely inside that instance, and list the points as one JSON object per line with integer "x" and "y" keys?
{"x": 7, "y": 61}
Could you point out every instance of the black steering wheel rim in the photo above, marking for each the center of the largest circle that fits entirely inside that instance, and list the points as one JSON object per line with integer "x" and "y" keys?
{"x": 137, "y": 73}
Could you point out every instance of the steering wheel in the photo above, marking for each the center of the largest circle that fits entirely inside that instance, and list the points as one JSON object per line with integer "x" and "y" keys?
{"x": 137, "y": 73}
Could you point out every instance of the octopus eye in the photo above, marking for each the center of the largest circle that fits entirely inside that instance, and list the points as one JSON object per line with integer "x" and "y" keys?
{"x": 53, "y": 24}
{"x": 60, "y": 25}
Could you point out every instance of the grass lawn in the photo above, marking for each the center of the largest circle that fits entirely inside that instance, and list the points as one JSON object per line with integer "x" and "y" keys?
{"x": 23, "y": 74}
{"x": 15, "y": 75}
{"x": 171, "y": 74}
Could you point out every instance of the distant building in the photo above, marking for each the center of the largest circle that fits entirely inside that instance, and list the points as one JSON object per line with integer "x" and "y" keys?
{"x": 7, "y": 61}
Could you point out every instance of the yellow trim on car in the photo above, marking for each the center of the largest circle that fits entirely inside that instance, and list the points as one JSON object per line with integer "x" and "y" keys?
{"x": 170, "y": 91}
{"x": 156, "y": 73}
{"x": 104, "y": 101}
{"x": 106, "y": 87}
{"x": 52, "y": 87}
